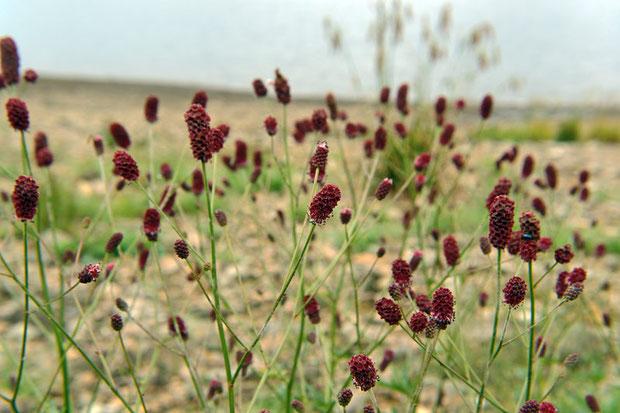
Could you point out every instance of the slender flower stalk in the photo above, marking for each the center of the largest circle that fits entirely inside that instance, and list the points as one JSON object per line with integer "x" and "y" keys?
{"x": 530, "y": 357}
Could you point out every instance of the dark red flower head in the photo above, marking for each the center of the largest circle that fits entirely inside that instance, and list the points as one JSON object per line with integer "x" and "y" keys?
{"x": 561, "y": 285}
{"x": 363, "y": 371}
{"x": 577, "y": 275}
{"x": 384, "y": 96}
{"x": 440, "y": 106}
{"x": 451, "y": 250}
{"x": 125, "y": 166}
{"x": 220, "y": 217}
{"x": 116, "y": 321}
{"x": 200, "y": 98}
{"x": 528, "y": 167}
{"x": 388, "y": 310}
{"x": 150, "y": 224}
{"x": 271, "y": 125}
{"x": 319, "y": 120}
{"x": 383, "y": 189}
{"x": 198, "y": 183}
{"x": 283, "y": 91}
{"x": 182, "y": 327}
{"x": 25, "y": 198}
{"x": 181, "y": 249}
{"x": 501, "y": 188}
{"x": 531, "y": 406}
{"x": 323, "y": 204}
{"x": 40, "y": 141}
{"x": 460, "y": 104}
{"x": 400, "y": 129}
{"x": 401, "y": 272}
{"x": 89, "y": 273}
{"x": 345, "y": 215}
{"x": 198, "y": 128}
{"x": 486, "y": 106}
{"x": 120, "y": 135}
{"x": 530, "y": 226}
{"x": 17, "y": 113}
{"x": 422, "y": 161}
{"x": 551, "y": 174}
{"x": 318, "y": 162}
{"x": 241, "y": 154}
{"x": 98, "y": 144}
{"x": 259, "y": 88}
{"x": 485, "y": 245}
{"x": 166, "y": 171}
{"x": 546, "y": 407}
{"x": 501, "y": 220}
{"x": 592, "y": 403}
{"x": 442, "y": 307}
{"x": 514, "y": 244}
{"x": 30, "y": 76}
{"x": 418, "y": 322}
{"x": 528, "y": 250}
{"x": 416, "y": 259}
{"x": 330, "y": 100}
{"x": 584, "y": 175}
{"x": 514, "y": 291}
{"x": 215, "y": 387}
{"x": 573, "y": 292}
{"x": 113, "y": 242}
{"x": 401, "y": 99}
{"x": 10, "y": 60}
{"x": 424, "y": 303}
{"x": 44, "y": 157}
{"x": 564, "y": 255}
{"x": 544, "y": 243}
{"x": 539, "y": 206}
{"x": 380, "y": 138}
{"x": 446, "y": 134}
{"x": 350, "y": 130}
{"x": 344, "y": 397}
{"x": 396, "y": 291}
{"x": 312, "y": 309}
{"x": 150, "y": 109}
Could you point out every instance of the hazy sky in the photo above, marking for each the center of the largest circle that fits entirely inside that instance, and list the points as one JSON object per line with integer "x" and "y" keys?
{"x": 562, "y": 51}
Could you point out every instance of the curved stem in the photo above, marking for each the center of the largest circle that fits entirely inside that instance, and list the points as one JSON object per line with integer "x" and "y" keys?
{"x": 130, "y": 367}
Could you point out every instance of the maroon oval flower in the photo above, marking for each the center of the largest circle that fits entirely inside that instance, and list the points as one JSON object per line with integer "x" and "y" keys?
{"x": 150, "y": 224}
{"x": 577, "y": 275}
{"x": 25, "y": 198}
{"x": 514, "y": 291}
{"x": 423, "y": 303}
{"x": 198, "y": 182}
{"x": 388, "y": 310}
{"x": 485, "y": 245}
{"x": 552, "y": 176}
{"x": 363, "y": 372}
{"x": 116, "y": 321}
{"x": 501, "y": 188}
{"x": 125, "y": 166}
{"x": 401, "y": 99}
{"x": 531, "y": 406}
{"x": 120, "y": 135}
{"x": 400, "y": 129}
{"x": 401, "y": 272}
{"x": 30, "y": 76}
{"x": 44, "y": 157}
{"x": 501, "y": 220}
{"x": 181, "y": 249}
{"x": 344, "y": 397}
{"x": 422, "y": 161}
{"x": 442, "y": 307}
{"x": 312, "y": 309}
{"x": 383, "y": 189}
{"x": 446, "y": 134}
{"x": 546, "y": 407}
{"x": 10, "y": 60}
{"x": 200, "y": 98}
{"x": 418, "y": 322}
{"x": 384, "y": 96}
{"x": 17, "y": 113}
{"x": 345, "y": 215}
{"x": 440, "y": 105}
{"x": 318, "y": 162}
{"x": 271, "y": 125}
{"x": 530, "y": 225}
{"x": 380, "y": 138}
{"x": 528, "y": 251}
{"x": 89, "y": 273}
{"x": 323, "y": 204}
{"x": 528, "y": 167}
{"x": 451, "y": 250}
{"x": 113, "y": 242}
{"x": 283, "y": 91}
{"x": 486, "y": 107}
{"x": 198, "y": 128}
{"x": 150, "y": 109}
{"x": 259, "y": 88}
{"x": 182, "y": 327}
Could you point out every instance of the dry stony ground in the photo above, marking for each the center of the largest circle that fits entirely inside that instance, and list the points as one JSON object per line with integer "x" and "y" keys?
{"x": 72, "y": 111}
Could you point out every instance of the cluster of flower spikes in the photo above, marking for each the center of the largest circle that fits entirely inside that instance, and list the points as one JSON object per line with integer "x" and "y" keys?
{"x": 204, "y": 140}
{"x": 569, "y": 285}
{"x": 42, "y": 152}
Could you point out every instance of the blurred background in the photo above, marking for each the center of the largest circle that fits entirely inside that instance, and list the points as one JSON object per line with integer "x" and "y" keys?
{"x": 523, "y": 52}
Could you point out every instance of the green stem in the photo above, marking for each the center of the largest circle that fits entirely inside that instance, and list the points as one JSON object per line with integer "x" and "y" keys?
{"x": 428, "y": 355}
{"x": 300, "y": 340}
{"x": 495, "y": 318}
{"x": 346, "y": 169}
{"x": 20, "y": 370}
{"x": 355, "y": 292}
{"x": 130, "y": 367}
{"x": 545, "y": 274}
{"x": 530, "y": 357}
{"x": 25, "y": 157}
{"x": 216, "y": 294}
{"x": 290, "y": 177}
